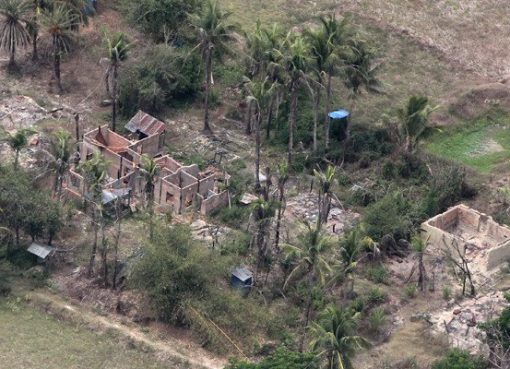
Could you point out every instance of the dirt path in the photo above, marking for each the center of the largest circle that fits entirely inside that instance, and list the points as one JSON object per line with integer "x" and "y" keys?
{"x": 169, "y": 350}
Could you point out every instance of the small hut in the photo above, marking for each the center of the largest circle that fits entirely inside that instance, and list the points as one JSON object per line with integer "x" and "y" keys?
{"x": 43, "y": 253}
{"x": 242, "y": 279}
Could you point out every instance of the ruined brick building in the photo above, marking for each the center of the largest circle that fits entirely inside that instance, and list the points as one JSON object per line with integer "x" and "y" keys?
{"x": 178, "y": 188}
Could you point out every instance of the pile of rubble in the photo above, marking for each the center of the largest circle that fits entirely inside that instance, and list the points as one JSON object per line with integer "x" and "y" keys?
{"x": 305, "y": 207}
{"x": 460, "y": 321}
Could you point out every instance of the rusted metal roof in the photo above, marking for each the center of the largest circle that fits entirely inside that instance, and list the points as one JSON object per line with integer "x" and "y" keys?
{"x": 146, "y": 124}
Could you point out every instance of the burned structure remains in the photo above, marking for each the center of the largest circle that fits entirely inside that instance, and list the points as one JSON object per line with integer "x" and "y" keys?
{"x": 178, "y": 188}
{"x": 486, "y": 242}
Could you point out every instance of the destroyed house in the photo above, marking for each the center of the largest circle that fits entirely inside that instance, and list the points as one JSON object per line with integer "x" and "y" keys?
{"x": 180, "y": 188}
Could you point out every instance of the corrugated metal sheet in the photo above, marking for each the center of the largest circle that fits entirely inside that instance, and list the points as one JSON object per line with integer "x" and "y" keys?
{"x": 40, "y": 250}
{"x": 242, "y": 274}
{"x": 145, "y": 123}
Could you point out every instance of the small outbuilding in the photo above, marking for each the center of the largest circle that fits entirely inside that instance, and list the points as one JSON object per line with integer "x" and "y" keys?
{"x": 242, "y": 279}
{"x": 42, "y": 252}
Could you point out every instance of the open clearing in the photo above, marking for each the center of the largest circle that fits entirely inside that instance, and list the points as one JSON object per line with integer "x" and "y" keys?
{"x": 37, "y": 340}
{"x": 482, "y": 145}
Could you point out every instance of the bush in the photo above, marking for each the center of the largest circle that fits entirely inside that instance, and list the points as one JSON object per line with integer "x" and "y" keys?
{"x": 410, "y": 291}
{"x": 155, "y": 17}
{"x": 378, "y": 274}
{"x": 458, "y": 359}
{"x": 281, "y": 359}
{"x": 394, "y": 215}
{"x": 447, "y": 293}
{"x": 235, "y": 216}
{"x": 166, "y": 74}
{"x": 376, "y": 296}
{"x": 377, "y": 319}
{"x": 447, "y": 187}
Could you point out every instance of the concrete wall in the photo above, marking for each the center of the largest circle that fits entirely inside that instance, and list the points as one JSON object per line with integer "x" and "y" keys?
{"x": 214, "y": 202}
{"x": 498, "y": 255}
{"x": 205, "y": 185}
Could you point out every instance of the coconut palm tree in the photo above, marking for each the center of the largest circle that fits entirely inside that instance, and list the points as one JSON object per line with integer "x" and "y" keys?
{"x": 361, "y": 72}
{"x": 326, "y": 179}
{"x": 118, "y": 51}
{"x": 214, "y": 33}
{"x": 333, "y": 55}
{"x": 149, "y": 171}
{"x": 58, "y": 23}
{"x": 17, "y": 142}
{"x": 309, "y": 262}
{"x": 13, "y": 30}
{"x": 61, "y": 150}
{"x": 296, "y": 61}
{"x": 413, "y": 121}
{"x": 94, "y": 174}
{"x": 263, "y": 212}
{"x": 258, "y": 93}
{"x": 334, "y": 337}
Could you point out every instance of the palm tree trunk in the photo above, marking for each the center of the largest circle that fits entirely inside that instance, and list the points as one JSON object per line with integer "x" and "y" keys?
{"x": 107, "y": 82}
{"x": 292, "y": 121}
{"x": 114, "y": 102}
{"x": 16, "y": 159}
{"x": 316, "y": 116}
{"x": 248, "y": 118}
{"x": 208, "y": 66}
{"x": 92, "y": 260}
{"x": 56, "y": 68}
{"x": 150, "y": 198}
{"x": 35, "y": 54}
{"x": 327, "y": 125}
{"x": 12, "y": 61}
{"x": 279, "y": 217}
{"x": 104, "y": 255}
{"x": 270, "y": 116}
{"x": 257, "y": 148}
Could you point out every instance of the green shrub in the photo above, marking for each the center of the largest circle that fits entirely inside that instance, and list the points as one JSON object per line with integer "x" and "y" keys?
{"x": 281, "y": 359}
{"x": 378, "y": 274}
{"x": 358, "y": 304}
{"x": 166, "y": 74}
{"x": 394, "y": 214}
{"x": 235, "y": 216}
{"x": 389, "y": 170}
{"x": 447, "y": 293}
{"x": 410, "y": 291}
{"x": 377, "y": 319}
{"x": 154, "y": 18}
{"x": 376, "y": 296}
{"x": 458, "y": 359}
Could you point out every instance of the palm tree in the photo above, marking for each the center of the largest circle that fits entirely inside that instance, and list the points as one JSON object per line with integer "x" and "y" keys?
{"x": 350, "y": 248}
{"x": 326, "y": 179}
{"x": 149, "y": 171}
{"x": 309, "y": 261}
{"x": 419, "y": 246}
{"x": 118, "y": 50}
{"x": 13, "y": 31}
{"x": 60, "y": 148}
{"x": 18, "y": 141}
{"x": 296, "y": 62}
{"x": 259, "y": 93}
{"x": 214, "y": 32}
{"x": 361, "y": 72}
{"x": 337, "y": 33}
{"x": 413, "y": 120}
{"x": 334, "y": 337}
{"x": 94, "y": 174}
{"x": 59, "y": 23}
{"x": 263, "y": 212}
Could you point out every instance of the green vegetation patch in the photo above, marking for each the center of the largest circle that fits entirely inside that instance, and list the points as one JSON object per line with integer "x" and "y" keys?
{"x": 482, "y": 145}
{"x": 36, "y": 340}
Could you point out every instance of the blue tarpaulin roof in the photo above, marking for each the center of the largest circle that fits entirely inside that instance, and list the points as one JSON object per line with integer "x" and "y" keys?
{"x": 339, "y": 114}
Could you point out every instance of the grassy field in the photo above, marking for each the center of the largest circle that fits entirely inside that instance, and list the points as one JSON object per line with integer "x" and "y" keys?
{"x": 31, "y": 339}
{"x": 483, "y": 145}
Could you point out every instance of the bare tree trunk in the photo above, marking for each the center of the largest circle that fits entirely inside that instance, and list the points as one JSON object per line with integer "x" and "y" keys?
{"x": 115, "y": 97}
{"x": 90, "y": 270}
{"x": 248, "y": 118}
{"x": 258, "y": 117}
{"x": 104, "y": 254}
{"x": 56, "y": 68}
{"x": 107, "y": 82}
{"x": 35, "y": 54}
{"x": 292, "y": 121}
{"x": 77, "y": 126}
{"x": 279, "y": 216}
{"x": 270, "y": 117}
{"x": 327, "y": 125}
{"x": 116, "y": 245}
{"x": 317, "y": 102}
{"x": 208, "y": 66}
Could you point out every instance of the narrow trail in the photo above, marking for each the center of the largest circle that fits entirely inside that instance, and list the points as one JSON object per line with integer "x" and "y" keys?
{"x": 170, "y": 350}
